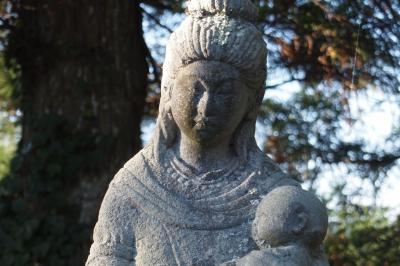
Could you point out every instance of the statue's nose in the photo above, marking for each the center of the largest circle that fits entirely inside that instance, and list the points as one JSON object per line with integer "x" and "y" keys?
{"x": 205, "y": 104}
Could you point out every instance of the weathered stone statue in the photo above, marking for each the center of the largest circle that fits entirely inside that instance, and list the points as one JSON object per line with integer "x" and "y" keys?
{"x": 190, "y": 196}
{"x": 289, "y": 228}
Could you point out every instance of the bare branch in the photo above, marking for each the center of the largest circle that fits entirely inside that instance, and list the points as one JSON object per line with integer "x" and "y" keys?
{"x": 153, "y": 63}
{"x": 158, "y": 5}
{"x": 5, "y": 24}
{"x": 157, "y": 21}
{"x": 274, "y": 86}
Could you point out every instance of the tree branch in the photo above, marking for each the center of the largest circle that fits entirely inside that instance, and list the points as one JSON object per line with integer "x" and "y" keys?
{"x": 157, "y": 21}
{"x": 5, "y": 24}
{"x": 158, "y": 5}
{"x": 274, "y": 86}
{"x": 153, "y": 63}
{"x": 341, "y": 154}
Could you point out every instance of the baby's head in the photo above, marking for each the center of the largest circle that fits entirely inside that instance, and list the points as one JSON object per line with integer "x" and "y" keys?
{"x": 290, "y": 215}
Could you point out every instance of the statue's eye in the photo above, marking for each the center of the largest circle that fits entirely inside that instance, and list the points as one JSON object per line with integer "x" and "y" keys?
{"x": 223, "y": 96}
{"x": 197, "y": 90}
{"x": 224, "y": 88}
{"x": 226, "y": 98}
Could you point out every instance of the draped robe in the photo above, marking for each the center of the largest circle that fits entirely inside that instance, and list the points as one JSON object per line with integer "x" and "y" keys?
{"x": 141, "y": 222}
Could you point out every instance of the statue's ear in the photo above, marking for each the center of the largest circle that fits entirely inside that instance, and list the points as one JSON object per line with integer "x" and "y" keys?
{"x": 300, "y": 223}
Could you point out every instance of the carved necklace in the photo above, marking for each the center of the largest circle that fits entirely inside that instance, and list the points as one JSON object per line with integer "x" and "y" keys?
{"x": 209, "y": 177}
{"x": 184, "y": 179}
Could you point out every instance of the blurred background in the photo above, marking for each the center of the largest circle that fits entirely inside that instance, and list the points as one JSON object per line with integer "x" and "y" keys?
{"x": 79, "y": 90}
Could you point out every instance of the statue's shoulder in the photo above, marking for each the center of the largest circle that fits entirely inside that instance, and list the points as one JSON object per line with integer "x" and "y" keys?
{"x": 130, "y": 181}
{"x": 143, "y": 158}
{"x": 136, "y": 167}
{"x": 270, "y": 172}
{"x": 123, "y": 200}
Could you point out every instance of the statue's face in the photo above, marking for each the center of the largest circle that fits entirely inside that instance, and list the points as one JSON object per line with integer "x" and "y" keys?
{"x": 278, "y": 221}
{"x": 209, "y": 101}
{"x": 269, "y": 226}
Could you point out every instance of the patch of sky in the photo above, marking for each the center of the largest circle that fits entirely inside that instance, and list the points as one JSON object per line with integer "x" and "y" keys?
{"x": 148, "y": 126}
{"x": 156, "y": 37}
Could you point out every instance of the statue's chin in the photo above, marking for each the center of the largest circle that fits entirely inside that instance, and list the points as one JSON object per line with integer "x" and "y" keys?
{"x": 205, "y": 135}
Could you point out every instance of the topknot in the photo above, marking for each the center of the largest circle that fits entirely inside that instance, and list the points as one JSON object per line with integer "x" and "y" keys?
{"x": 241, "y": 9}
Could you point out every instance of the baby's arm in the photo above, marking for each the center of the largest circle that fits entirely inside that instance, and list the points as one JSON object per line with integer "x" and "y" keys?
{"x": 282, "y": 256}
{"x": 254, "y": 258}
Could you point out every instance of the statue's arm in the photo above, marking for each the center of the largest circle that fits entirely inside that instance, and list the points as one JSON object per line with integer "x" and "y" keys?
{"x": 114, "y": 237}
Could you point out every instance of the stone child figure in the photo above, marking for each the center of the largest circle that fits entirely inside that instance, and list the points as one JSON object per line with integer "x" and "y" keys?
{"x": 289, "y": 228}
{"x": 189, "y": 197}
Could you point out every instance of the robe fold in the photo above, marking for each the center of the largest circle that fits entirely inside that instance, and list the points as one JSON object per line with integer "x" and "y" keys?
{"x": 141, "y": 222}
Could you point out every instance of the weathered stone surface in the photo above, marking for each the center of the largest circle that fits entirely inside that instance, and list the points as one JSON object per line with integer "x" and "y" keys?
{"x": 190, "y": 196}
{"x": 289, "y": 228}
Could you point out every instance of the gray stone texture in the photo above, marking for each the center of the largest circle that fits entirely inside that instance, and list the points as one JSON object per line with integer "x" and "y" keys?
{"x": 190, "y": 196}
{"x": 289, "y": 227}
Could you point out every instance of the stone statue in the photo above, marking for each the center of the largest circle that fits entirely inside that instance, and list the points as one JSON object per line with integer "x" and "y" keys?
{"x": 190, "y": 196}
{"x": 289, "y": 228}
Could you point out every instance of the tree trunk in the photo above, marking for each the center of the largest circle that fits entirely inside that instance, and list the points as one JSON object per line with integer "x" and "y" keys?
{"x": 82, "y": 63}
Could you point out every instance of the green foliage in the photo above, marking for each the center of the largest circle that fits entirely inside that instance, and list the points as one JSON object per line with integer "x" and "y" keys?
{"x": 304, "y": 135}
{"x": 362, "y": 236}
{"x": 9, "y": 85}
{"x": 319, "y": 41}
{"x": 6, "y": 153}
{"x": 302, "y": 130}
{"x": 37, "y": 213}
{"x": 331, "y": 50}
{"x": 8, "y": 116}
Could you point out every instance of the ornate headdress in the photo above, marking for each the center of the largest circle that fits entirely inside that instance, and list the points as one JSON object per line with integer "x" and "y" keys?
{"x": 218, "y": 30}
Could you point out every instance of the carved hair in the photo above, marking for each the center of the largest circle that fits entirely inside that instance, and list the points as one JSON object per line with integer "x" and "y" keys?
{"x": 215, "y": 30}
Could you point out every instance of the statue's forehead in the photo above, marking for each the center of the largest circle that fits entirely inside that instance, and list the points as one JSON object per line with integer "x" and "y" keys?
{"x": 209, "y": 70}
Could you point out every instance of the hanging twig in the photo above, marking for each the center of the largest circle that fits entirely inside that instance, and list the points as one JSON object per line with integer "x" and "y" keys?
{"x": 268, "y": 87}
{"x": 153, "y": 63}
{"x": 5, "y": 24}
{"x": 355, "y": 58}
{"x": 157, "y": 21}
{"x": 328, "y": 11}
{"x": 159, "y": 5}
{"x": 353, "y": 74}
